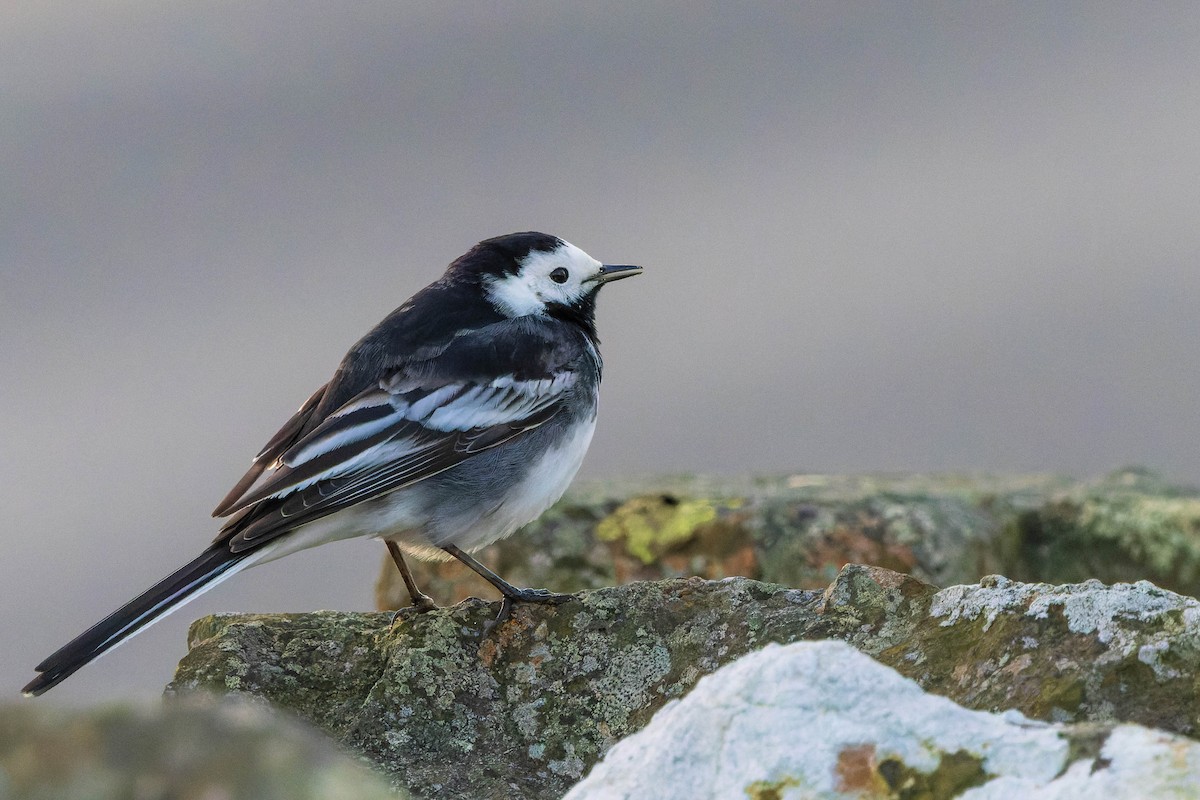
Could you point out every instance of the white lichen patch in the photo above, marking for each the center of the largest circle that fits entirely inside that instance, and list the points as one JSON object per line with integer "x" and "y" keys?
{"x": 1151, "y": 655}
{"x": 1137, "y": 763}
{"x": 570, "y": 765}
{"x": 1127, "y": 617}
{"x": 989, "y": 599}
{"x": 526, "y": 717}
{"x": 796, "y": 596}
{"x": 632, "y": 672}
{"x": 816, "y": 720}
{"x": 793, "y": 710}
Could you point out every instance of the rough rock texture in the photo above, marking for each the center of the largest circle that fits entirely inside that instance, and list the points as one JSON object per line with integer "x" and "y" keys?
{"x": 526, "y": 709}
{"x": 174, "y": 753}
{"x": 1076, "y": 652}
{"x": 521, "y": 712}
{"x": 799, "y": 530}
{"x": 822, "y": 721}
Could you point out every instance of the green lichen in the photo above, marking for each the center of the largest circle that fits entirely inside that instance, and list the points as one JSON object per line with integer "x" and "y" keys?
{"x": 771, "y": 790}
{"x": 651, "y": 525}
{"x": 1109, "y": 532}
{"x": 1161, "y": 532}
{"x": 954, "y": 774}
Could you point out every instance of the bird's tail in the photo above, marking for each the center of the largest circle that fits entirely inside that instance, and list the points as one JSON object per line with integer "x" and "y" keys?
{"x": 213, "y": 566}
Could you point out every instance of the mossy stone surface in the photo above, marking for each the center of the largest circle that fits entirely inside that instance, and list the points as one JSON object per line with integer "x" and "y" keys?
{"x": 521, "y": 711}
{"x": 525, "y": 709}
{"x": 799, "y": 530}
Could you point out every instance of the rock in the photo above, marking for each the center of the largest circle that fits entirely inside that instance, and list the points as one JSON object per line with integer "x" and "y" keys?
{"x": 820, "y": 720}
{"x": 520, "y": 712}
{"x": 177, "y": 751}
{"x": 524, "y": 710}
{"x": 799, "y": 530}
{"x": 1062, "y": 653}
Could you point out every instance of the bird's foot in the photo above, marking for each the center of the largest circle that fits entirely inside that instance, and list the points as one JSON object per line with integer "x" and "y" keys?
{"x": 539, "y": 596}
{"x": 544, "y": 596}
{"x": 421, "y": 604}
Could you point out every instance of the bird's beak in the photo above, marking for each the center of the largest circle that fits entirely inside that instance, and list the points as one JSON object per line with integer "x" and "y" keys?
{"x": 615, "y": 272}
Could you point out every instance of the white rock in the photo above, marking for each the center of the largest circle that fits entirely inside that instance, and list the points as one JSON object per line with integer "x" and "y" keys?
{"x": 816, "y": 719}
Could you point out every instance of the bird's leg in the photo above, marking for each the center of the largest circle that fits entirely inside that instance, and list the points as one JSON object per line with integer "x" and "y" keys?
{"x": 420, "y": 602}
{"x": 511, "y": 593}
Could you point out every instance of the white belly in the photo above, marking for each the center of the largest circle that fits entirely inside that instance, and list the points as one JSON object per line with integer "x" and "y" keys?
{"x": 541, "y": 488}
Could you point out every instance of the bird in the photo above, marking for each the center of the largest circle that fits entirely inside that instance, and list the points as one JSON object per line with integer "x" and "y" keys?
{"x": 458, "y": 419}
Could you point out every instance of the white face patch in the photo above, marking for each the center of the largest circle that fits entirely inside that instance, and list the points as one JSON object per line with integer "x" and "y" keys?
{"x": 532, "y": 288}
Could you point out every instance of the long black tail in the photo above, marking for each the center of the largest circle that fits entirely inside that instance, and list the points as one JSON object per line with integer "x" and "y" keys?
{"x": 150, "y": 606}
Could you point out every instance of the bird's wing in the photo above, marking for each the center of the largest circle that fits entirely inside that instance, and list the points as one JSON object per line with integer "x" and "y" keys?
{"x": 418, "y": 421}
{"x": 412, "y": 336}
{"x": 283, "y": 438}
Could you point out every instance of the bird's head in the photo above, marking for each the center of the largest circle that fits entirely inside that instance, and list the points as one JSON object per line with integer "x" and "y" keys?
{"x": 535, "y": 273}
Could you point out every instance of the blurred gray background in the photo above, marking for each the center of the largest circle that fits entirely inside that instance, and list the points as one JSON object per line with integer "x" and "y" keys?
{"x": 882, "y": 236}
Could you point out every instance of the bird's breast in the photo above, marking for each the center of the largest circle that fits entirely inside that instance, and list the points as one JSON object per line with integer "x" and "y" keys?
{"x": 545, "y": 478}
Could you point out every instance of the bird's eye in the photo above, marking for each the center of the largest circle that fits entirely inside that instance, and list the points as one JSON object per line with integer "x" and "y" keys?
{"x": 559, "y": 275}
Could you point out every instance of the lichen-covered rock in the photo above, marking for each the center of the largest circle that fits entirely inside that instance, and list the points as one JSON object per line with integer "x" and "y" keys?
{"x": 1128, "y": 652}
{"x": 799, "y": 530}
{"x": 525, "y": 709}
{"x": 822, "y": 721}
{"x": 234, "y": 752}
{"x": 522, "y": 711}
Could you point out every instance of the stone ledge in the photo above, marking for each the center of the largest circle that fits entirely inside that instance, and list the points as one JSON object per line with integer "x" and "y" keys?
{"x": 798, "y": 530}
{"x": 527, "y": 709}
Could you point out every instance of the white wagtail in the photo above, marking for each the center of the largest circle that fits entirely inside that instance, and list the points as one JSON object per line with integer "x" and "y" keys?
{"x": 460, "y": 418}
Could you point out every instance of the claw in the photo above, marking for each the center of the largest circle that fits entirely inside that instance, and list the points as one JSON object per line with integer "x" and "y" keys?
{"x": 422, "y": 604}
{"x": 543, "y": 596}
{"x": 505, "y": 612}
